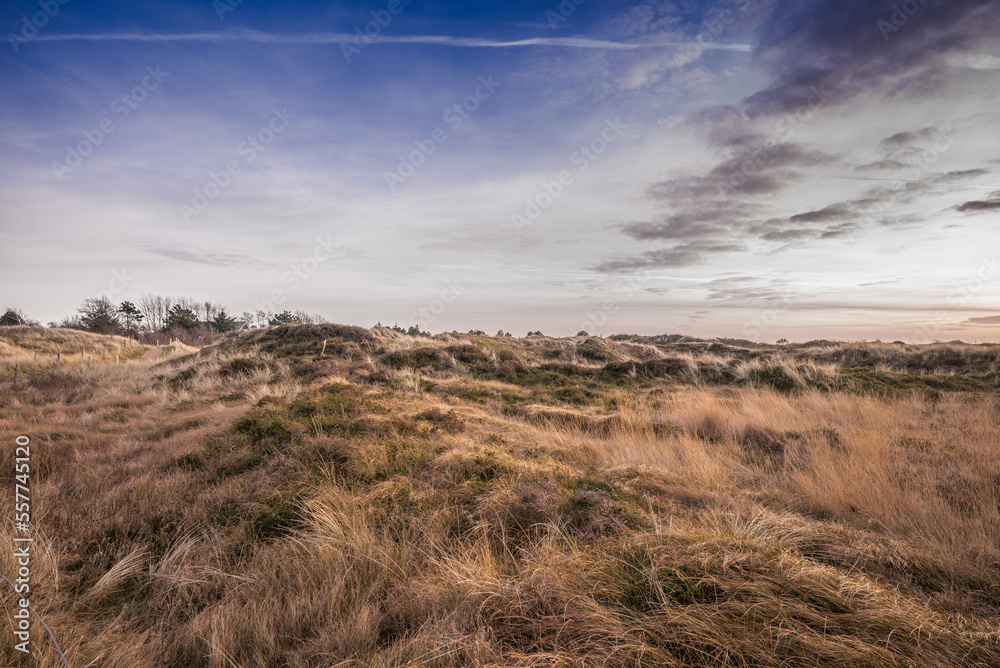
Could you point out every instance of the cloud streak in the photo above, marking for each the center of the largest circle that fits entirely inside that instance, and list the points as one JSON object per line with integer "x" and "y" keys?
{"x": 256, "y": 36}
{"x": 230, "y": 260}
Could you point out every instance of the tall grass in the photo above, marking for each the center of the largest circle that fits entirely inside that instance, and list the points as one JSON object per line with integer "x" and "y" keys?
{"x": 34, "y": 350}
{"x": 259, "y": 506}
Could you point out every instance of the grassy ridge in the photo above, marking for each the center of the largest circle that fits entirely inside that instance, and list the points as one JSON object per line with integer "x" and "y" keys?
{"x": 34, "y": 349}
{"x": 464, "y": 500}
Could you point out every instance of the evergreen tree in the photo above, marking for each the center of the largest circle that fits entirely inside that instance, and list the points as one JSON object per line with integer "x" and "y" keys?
{"x": 131, "y": 317}
{"x": 223, "y": 322}
{"x": 285, "y": 318}
{"x": 181, "y": 318}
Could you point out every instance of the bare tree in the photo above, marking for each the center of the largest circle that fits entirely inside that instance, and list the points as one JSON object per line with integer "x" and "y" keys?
{"x": 211, "y": 310}
{"x": 155, "y": 309}
{"x": 309, "y": 318}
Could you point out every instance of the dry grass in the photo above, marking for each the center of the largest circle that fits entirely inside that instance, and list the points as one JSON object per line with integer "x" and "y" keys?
{"x": 468, "y": 501}
{"x": 34, "y": 350}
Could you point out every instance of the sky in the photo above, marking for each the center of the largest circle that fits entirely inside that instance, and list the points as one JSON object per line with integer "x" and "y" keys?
{"x": 748, "y": 169}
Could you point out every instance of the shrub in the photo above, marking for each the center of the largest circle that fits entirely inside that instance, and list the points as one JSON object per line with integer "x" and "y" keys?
{"x": 13, "y": 317}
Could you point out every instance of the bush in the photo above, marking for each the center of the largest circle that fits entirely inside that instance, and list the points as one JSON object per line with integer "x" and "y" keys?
{"x": 285, "y": 318}
{"x": 100, "y": 316}
{"x": 13, "y": 317}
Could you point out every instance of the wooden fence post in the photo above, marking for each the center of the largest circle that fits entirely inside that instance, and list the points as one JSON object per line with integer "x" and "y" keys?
{"x": 35, "y": 361}
{"x": 58, "y": 356}
{"x": 17, "y": 367}
{"x": 116, "y": 359}
{"x": 322, "y": 352}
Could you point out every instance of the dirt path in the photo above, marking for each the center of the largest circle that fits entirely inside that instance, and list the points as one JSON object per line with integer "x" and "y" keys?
{"x": 152, "y": 354}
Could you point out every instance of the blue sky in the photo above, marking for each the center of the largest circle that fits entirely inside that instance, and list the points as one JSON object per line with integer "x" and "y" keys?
{"x": 735, "y": 168}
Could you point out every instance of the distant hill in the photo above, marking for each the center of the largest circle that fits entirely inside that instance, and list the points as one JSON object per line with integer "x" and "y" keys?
{"x": 35, "y": 349}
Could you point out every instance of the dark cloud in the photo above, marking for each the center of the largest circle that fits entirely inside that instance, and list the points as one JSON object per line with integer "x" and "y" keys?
{"x": 977, "y": 206}
{"x": 789, "y": 235}
{"x": 917, "y": 139}
{"x": 856, "y": 47}
{"x": 882, "y": 165}
{"x": 842, "y": 219}
{"x": 682, "y": 255}
{"x": 820, "y": 52}
{"x": 987, "y": 320}
{"x": 838, "y": 231}
{"x": 706, "y": 212}
{"x": 765, "y": 170}
{"x": 916, "y": 149}
{"x": 898, "y": 139}
{"x": 833, "y": 212}
{"x": 962, "y": 175}
{"x": 897, "y": 192}
{"x": 709, "y": 221}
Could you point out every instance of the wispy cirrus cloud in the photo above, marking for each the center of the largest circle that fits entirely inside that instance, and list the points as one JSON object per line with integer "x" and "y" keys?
{"x": 986, "y": 320}
{"x": 214, "y": 258}
{"x": 259, "y": 37}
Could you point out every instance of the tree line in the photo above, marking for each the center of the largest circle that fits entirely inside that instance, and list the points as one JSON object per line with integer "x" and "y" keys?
{"x": 183, "y": 318}
{"x": 186, "y": 319}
